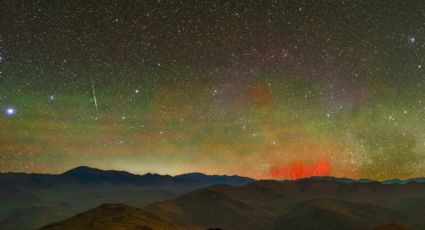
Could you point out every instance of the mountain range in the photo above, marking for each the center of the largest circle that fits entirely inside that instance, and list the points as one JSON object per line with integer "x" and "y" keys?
{"x": 197, "y": 201}
{"x": 30, "y": 201}
{"x": 86, "y": 176}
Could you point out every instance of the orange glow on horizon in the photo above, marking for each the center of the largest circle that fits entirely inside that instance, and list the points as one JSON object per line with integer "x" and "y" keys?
{"x": 296, "y": 170}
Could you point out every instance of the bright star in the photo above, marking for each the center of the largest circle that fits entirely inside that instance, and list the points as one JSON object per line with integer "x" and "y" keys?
{"x": 412, "y": 39}
{"x": 10, "y": 111}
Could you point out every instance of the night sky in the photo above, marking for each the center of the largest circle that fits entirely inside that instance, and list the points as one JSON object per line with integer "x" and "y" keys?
{"x": 266, "y": 89}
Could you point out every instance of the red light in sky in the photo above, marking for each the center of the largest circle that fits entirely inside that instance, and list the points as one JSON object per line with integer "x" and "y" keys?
{"x": 297, "y": 170}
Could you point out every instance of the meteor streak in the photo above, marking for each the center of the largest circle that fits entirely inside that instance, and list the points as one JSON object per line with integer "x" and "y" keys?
{"x": 94, "y": 97}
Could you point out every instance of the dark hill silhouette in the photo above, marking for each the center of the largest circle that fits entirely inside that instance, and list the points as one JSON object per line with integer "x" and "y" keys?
{"x": 392, "y": 226}
{"x": 215, "y": 179}
{"x": 335, "y": 214}
{"x": 35, "y": 216}
{"x": 84, "y": 175}
{"x": 112, "y": 217}
{"x": 301, "y": 204}
{"x": 87, "y": 175}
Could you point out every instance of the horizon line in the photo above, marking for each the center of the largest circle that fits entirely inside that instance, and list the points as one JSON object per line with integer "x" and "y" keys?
{"x": 193, "y": 172}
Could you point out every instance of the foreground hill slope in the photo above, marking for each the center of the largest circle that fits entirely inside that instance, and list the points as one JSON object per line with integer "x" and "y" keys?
{"x": 303, "y": 204}
{"x": 113, "y": 217}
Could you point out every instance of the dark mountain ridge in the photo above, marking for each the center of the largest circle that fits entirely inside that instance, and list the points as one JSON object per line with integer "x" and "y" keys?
{"x": 84, "y": 175}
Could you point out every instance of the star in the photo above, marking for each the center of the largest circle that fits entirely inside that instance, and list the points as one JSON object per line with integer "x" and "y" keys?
{"x": 412, "y": 39}
{"x": 10, "y": 111}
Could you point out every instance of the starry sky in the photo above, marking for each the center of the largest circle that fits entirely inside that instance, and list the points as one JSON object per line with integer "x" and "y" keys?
{"x": 265, "y": 89}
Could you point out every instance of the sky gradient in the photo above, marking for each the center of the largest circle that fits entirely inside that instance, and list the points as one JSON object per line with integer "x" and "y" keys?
{"x": 265, "y": 89}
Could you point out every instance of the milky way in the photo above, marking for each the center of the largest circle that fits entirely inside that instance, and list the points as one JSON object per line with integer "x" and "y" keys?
{"x": 266, "y": 89}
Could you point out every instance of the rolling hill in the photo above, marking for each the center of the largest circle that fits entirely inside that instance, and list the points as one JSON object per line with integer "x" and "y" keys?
{"x": 302, "y": 204}
{"x": 114, "y": 217}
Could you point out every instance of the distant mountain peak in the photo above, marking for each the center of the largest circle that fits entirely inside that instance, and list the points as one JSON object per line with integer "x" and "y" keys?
{"x": 193, "y": 174}
{"x": 85, "y": 174}
{"x": 86, "y": 170}
{"x": 82, "y": 169}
